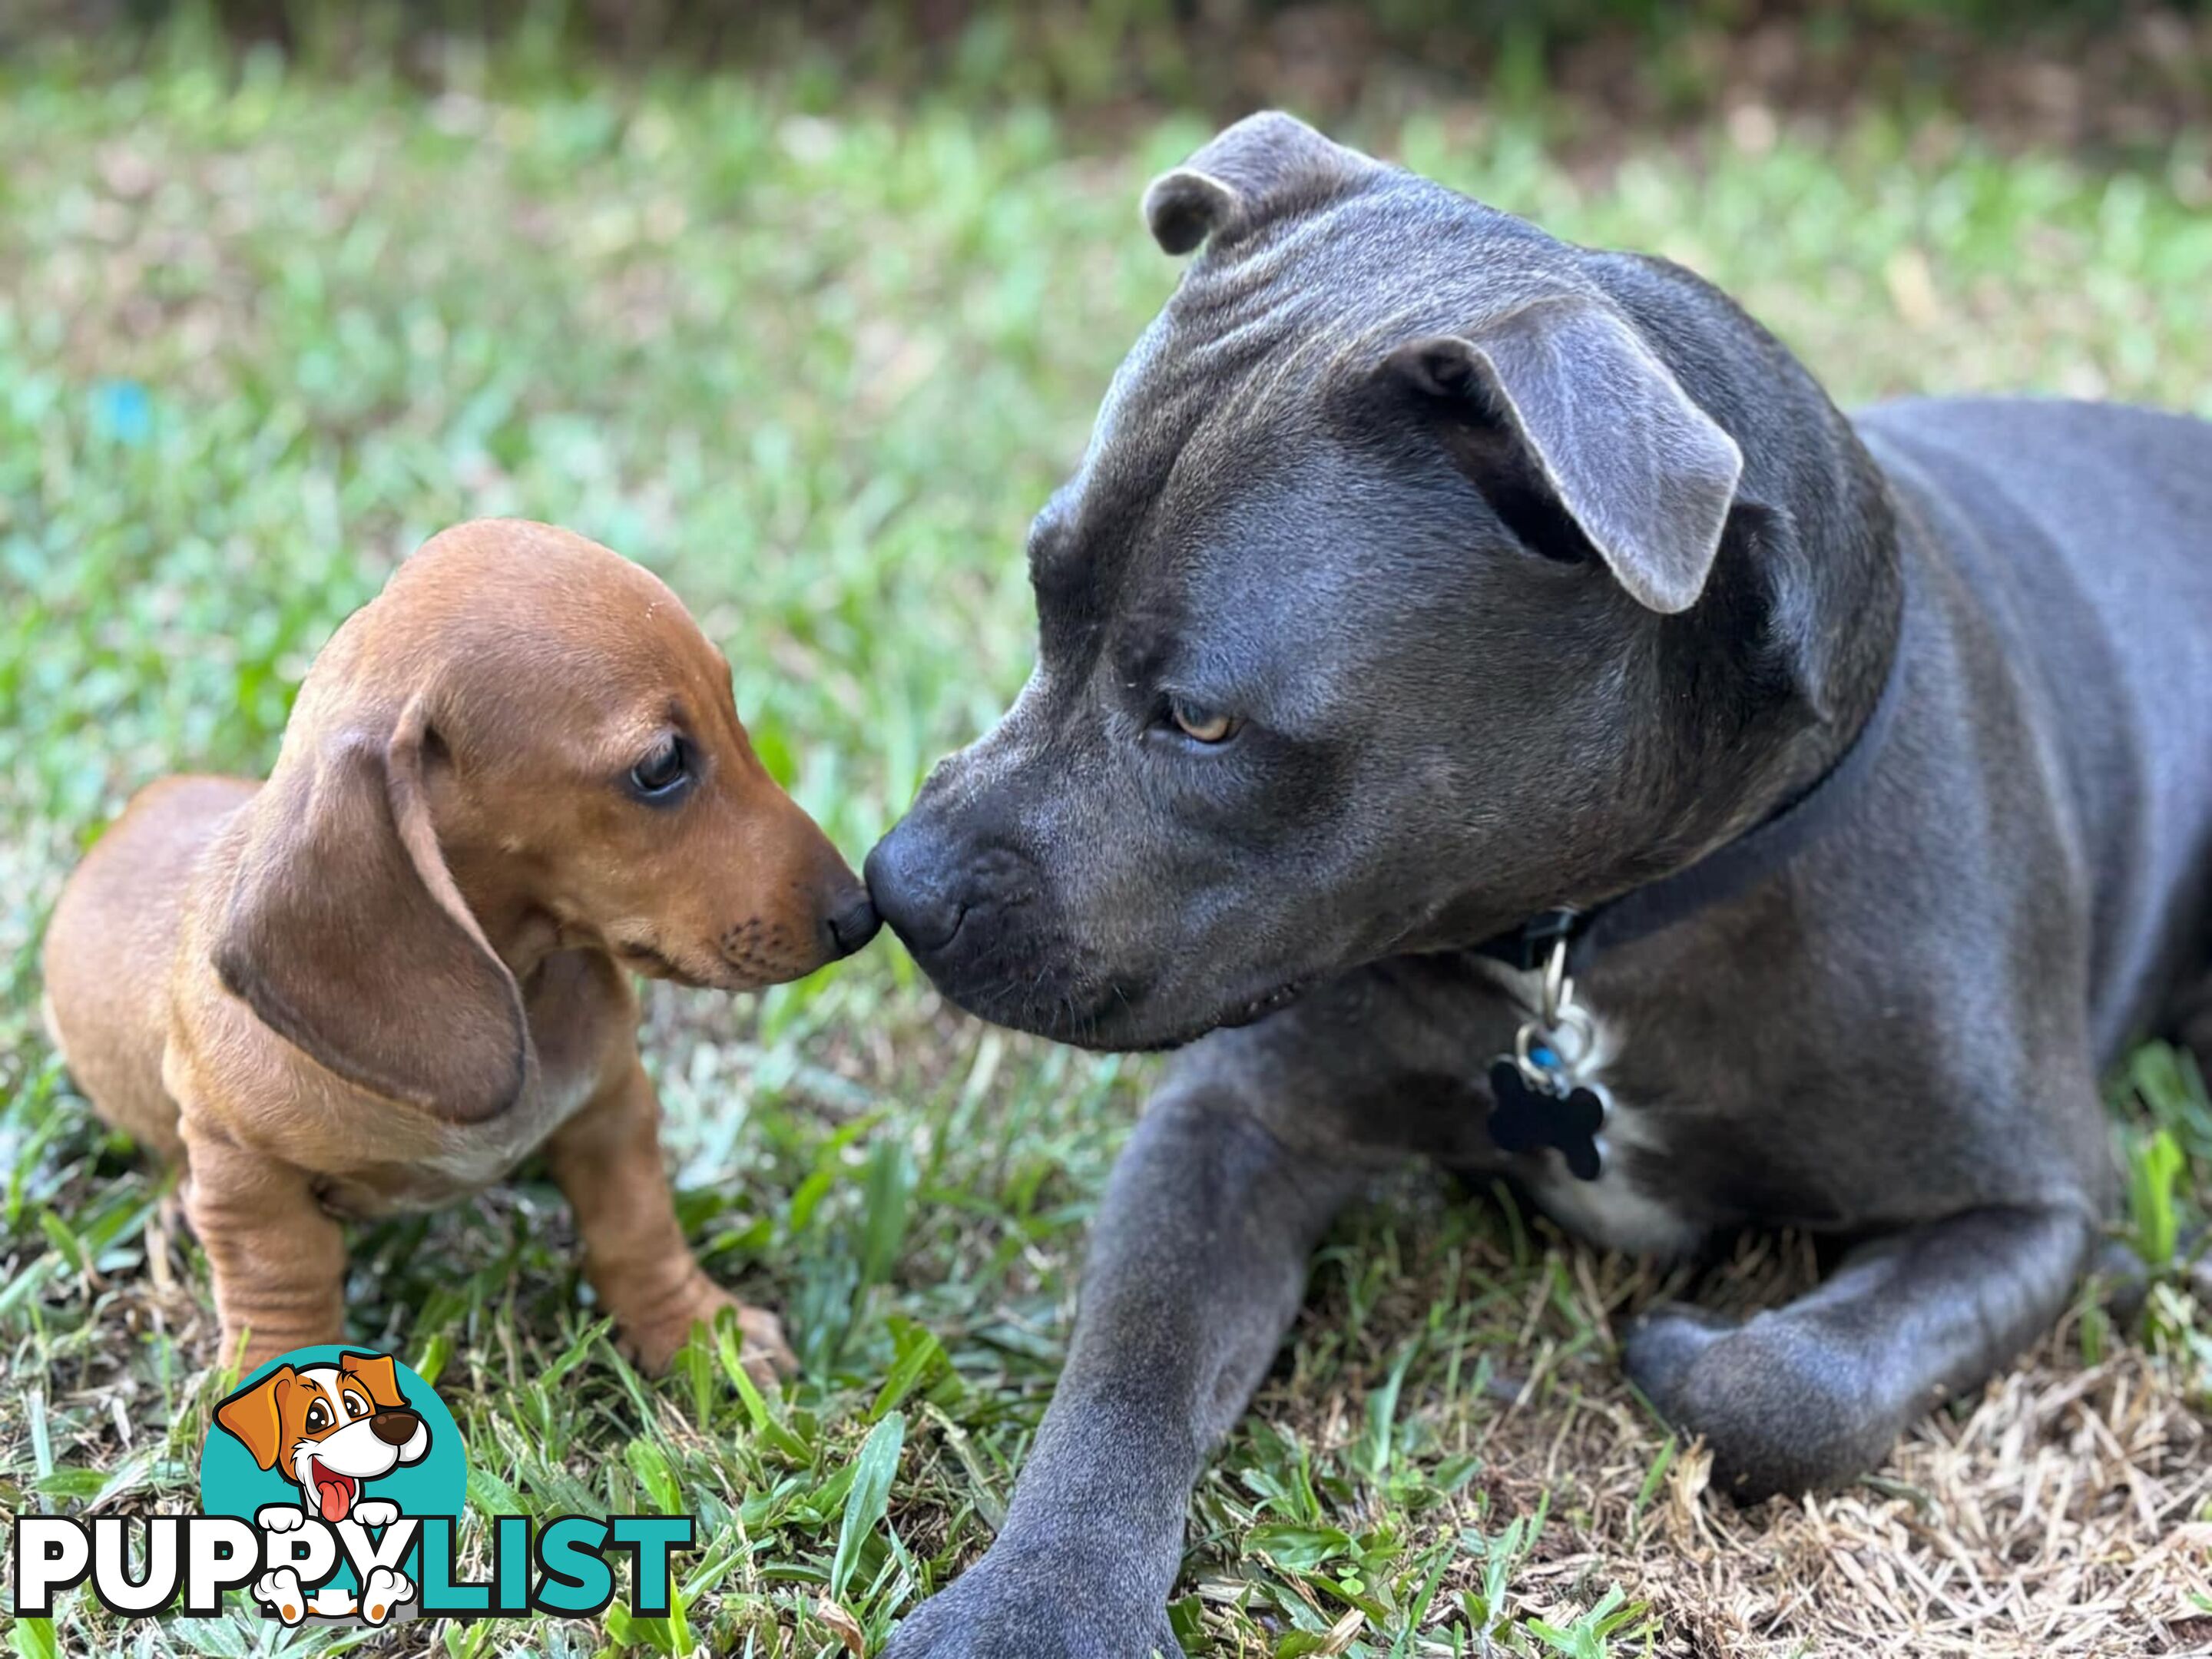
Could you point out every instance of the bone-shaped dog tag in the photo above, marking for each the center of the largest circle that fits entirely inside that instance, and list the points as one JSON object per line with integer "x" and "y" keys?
{"x": 1533, "y": 1107}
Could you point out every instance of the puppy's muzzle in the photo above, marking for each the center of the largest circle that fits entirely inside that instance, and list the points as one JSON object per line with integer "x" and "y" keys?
{"x": 394, "y": 1428}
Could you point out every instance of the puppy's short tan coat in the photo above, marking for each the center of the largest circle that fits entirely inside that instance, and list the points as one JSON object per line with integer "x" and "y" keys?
{"x": 377, "y": 981}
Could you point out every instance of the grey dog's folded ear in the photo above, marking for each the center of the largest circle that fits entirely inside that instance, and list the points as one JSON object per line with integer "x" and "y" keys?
{"x": 1647, "y": 477}
{"x": 1250, "y": 170}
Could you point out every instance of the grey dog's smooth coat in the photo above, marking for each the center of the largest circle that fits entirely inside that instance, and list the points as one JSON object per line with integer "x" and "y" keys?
{"x": 1535, "y": 573}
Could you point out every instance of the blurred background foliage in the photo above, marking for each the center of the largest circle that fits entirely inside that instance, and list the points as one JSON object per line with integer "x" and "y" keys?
{"x": 2102, "y": 72}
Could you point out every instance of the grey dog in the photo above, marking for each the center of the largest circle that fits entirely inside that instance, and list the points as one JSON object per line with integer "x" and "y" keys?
{"x": 1442, "y": 613}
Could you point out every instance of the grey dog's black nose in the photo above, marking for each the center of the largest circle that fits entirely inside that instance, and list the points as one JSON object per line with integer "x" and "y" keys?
{"x": 852, "y": 921}
{"x": 906, "y": 873}
{"x": 394, "y": 1428}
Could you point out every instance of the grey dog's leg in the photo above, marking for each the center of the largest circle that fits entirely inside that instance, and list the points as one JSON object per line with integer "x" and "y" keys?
{"x": 1814, "y": 1394}
{"x": 1198, "y": 1263}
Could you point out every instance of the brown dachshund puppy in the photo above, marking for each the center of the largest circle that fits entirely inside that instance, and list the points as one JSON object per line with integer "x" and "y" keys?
{"x": 377, "y": 981}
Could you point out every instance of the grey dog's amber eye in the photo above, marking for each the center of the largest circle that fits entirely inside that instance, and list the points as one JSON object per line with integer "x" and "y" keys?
{"x": 1201, "y": 724}
{"x": 662, "y": 772}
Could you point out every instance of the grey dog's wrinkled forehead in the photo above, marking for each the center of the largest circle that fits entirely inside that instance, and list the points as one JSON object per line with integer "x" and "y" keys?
{"x": 1210, "y": 538}
{"x": 1325, "y": 260}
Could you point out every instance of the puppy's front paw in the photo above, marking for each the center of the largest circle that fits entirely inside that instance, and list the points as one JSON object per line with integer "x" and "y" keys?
{"x": 375, "y": 1512}
{"x": 280, "y": 1517}
{"x": 650, "y": 1344}
{"x": 280, "y": 1593}
{"x": 384, "y": 1590}
{"x": 765, "y": 1354}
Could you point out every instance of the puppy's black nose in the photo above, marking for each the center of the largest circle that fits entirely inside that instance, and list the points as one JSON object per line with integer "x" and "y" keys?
{"x": 394, "y": 1428}
{"x": 852, "y": 921}
{"x": 906, "y": 874}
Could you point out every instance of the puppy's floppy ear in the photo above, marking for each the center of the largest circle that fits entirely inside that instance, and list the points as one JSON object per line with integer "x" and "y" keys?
{"x": 379, "y": 1372}
{"x": 1261, "y": 164}
{"x": 1644, "y": 475}
{"x": 347, "y": 936}
{"x": 256, "y": 1415}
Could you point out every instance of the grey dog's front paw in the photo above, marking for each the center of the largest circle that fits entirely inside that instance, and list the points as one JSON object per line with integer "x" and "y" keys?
{"x": 1663, "y": 1345}
{"x": 1783, "y": 1409}
{"x": 1015, "y": 1610}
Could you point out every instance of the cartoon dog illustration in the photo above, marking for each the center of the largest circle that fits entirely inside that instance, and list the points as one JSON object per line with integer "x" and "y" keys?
{"x": 331, "y": 1429}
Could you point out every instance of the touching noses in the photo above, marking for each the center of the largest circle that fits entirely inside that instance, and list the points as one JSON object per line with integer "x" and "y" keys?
{"x": 849, "y": 921}
{"x": 906, "y": 872}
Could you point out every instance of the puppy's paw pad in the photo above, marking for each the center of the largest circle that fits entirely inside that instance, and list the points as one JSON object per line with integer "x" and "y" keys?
{"x": 375, "y": 1512}
{"x": 384, "y": 1590}
{"x": 280, "y": 1517}
{"x": 279, "y": 1592}
{"x": 764, "y": 1352}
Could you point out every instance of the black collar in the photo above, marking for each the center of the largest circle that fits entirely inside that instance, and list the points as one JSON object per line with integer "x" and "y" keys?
{"x": 1729, "y": 869}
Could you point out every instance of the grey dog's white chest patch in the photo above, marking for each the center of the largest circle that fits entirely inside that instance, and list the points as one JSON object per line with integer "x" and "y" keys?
{"x": 1612, "y": 1209}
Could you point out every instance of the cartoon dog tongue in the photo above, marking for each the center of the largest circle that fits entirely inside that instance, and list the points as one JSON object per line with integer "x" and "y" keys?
{"x": 335, "y": 1492}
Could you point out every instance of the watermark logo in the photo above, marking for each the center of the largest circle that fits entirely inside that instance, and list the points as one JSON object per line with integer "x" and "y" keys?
{"x": 354, "y": 1441}
{"x": 331, "y": 1481}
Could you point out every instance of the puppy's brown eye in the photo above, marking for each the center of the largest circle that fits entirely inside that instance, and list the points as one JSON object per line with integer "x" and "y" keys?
{"x": 662, "y": 772}
{"x": 319, "y": 1417}
{"x": 1201, "y": 724}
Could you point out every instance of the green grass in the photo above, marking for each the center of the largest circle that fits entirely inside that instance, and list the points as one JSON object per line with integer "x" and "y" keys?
{"x": 260, "y": 335}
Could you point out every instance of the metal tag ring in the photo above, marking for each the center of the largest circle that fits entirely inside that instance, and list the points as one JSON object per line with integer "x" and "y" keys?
{"x": 1559, "y": 989}
{"x": 1572, "y": 1018}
